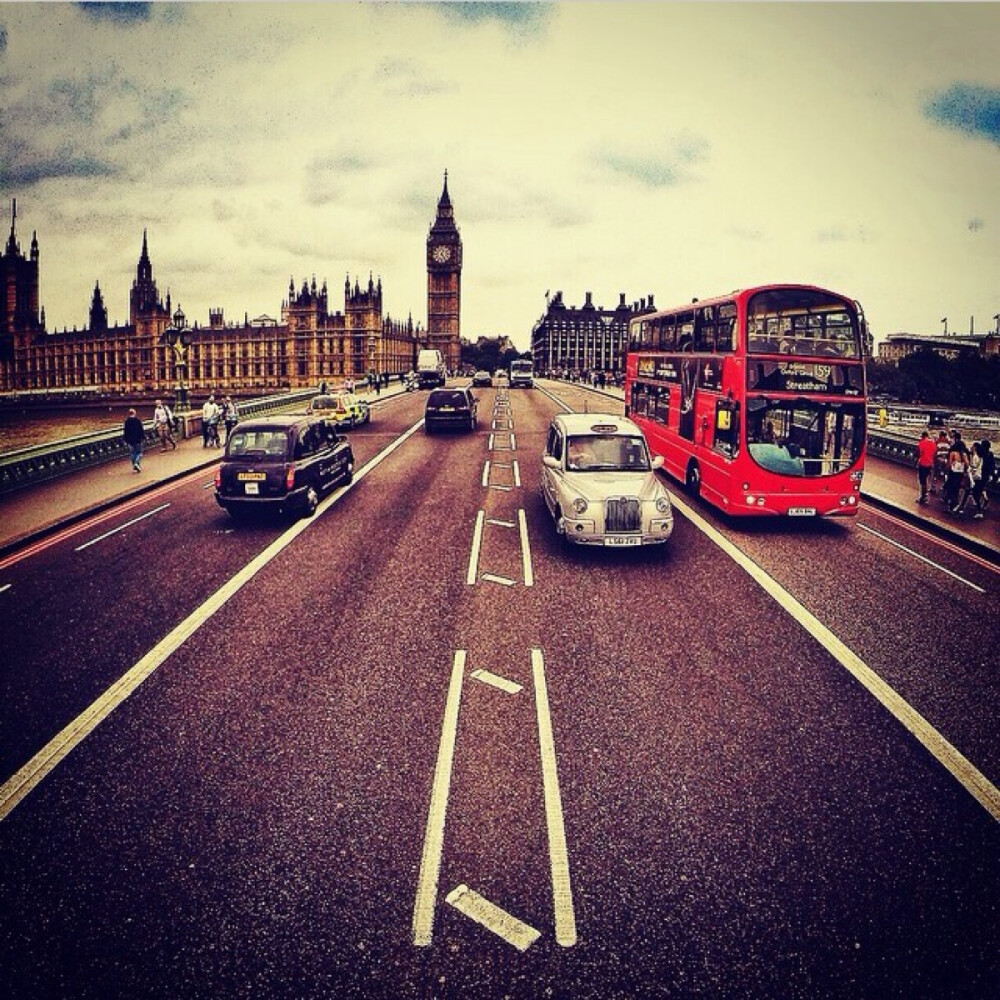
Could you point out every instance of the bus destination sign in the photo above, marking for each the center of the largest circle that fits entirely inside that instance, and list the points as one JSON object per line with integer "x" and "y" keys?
{"x": 800, "y": 376}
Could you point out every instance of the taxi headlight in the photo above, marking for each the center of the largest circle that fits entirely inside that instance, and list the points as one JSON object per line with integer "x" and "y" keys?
{"x": 579, "y": 505}
{"x": 663, "y": 504}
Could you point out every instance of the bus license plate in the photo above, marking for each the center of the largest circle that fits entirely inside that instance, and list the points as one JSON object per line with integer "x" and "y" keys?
{"x": 617, "y": 540}
{"x": 251, "y": 489}
{"x": 801, "y": 511}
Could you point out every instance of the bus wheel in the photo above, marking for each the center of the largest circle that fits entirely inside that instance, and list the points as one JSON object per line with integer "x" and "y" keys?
{"x": 693, "y": 479}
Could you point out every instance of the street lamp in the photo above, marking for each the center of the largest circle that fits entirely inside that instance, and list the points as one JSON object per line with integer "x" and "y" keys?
{"x": 179, "y": 338}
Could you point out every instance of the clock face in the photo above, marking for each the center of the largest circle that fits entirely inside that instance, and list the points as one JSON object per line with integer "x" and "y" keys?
{"x": 441, "y": 254}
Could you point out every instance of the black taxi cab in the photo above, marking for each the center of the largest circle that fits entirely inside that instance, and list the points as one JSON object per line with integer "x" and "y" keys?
{"x": 282, "y": 463}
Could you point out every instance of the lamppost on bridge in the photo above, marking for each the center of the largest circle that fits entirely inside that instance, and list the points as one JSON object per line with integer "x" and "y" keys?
{"x": 179, "y": 338}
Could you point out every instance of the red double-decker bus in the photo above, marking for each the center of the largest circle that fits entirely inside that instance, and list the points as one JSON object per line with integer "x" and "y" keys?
{"x": 756, "y": 400}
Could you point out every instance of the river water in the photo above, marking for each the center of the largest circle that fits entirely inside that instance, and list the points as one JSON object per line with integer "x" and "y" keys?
{"x": 24, "y": 427}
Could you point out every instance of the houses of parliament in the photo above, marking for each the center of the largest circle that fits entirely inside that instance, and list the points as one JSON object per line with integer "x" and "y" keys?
{"x": 156, "y": 351}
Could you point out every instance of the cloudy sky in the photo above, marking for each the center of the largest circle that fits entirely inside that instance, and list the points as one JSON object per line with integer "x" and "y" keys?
{"x": 678, "y": 150}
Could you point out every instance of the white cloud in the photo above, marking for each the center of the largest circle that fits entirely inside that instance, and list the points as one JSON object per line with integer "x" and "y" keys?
{"x": 675, "y": 149}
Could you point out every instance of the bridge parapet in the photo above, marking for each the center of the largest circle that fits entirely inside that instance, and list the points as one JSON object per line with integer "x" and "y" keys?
{"x": 28, "y": 466}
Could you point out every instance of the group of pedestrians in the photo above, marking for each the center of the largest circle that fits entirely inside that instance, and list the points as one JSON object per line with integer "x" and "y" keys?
{"x": 212, "y": 416}
{"x": 960, "y": 472}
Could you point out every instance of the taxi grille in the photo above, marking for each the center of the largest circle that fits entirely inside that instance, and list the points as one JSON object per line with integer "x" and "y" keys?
{"x": 622, "y": 514}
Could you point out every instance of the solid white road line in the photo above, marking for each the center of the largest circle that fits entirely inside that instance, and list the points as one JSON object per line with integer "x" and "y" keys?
{"x": 923, "y": 559}
{"x": 562, "y": 890}
{"x": 516, "y": 932}
{"x": 430, "y": 860}
{"x": 121, "y": 527}
{"x": 957, "y": 765}
{"x": 529, "y": 576}
{"x": 7, "y": 586}
{"x": 477, "y": 541}
{"x": 19, "y": 785}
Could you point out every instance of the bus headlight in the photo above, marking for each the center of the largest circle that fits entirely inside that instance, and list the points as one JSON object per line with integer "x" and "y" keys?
{"x": 579, "y": 505}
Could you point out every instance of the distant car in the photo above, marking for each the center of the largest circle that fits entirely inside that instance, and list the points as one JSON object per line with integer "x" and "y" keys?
{"x": 282, "y": 463}
{"x": 343, "y": 408}
{"x": 450, "y": 408}
{"x": 482, "y": 378}
{"x": 599, "y": 482}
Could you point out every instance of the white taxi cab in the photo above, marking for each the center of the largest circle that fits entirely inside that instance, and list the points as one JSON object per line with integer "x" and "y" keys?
{"x": 599, "y": 482}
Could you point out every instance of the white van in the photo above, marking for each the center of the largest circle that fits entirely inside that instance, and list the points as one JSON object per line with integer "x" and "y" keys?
{"x": 430, "y": 369}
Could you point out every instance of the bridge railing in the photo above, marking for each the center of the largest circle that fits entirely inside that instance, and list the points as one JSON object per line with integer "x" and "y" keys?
{"x": 36, "y": 464}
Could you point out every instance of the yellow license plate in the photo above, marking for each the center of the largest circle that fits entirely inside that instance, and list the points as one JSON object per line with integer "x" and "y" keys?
{"x": 251, "y": 477}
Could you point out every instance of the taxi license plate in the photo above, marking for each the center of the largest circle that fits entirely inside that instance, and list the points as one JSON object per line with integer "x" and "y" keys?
{"x": 251, "y": 489}
{"x": 619, "y": 540}
{"x": 256, "y": 477}
{"x": 801, "y": 511}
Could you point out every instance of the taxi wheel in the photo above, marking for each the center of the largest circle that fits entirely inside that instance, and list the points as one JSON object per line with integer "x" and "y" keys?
{"x": 312, "y": 502}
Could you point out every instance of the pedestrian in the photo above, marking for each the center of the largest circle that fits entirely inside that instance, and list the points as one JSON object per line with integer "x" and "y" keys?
{"x": 941, "y": 447}
{"x": 134, "y": 433}
{"x": 958, "y": 467}
{"x": 926, "y": 453}
{"x": 230, "y": 414}
{"x": 210, "y": 423}
{"x": 972, "y": 484}
{"x": 988, "y": 472}
{"x": 163, "y": 422}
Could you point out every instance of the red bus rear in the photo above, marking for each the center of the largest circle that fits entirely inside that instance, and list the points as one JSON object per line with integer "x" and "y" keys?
{"x": 756, "y": 400}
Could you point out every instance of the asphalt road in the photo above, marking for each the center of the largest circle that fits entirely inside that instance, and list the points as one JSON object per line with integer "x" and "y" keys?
{"x": 417, "y": 747}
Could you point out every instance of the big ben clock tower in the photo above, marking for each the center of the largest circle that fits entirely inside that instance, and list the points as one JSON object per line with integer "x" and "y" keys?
{"x": 444, "y": 282}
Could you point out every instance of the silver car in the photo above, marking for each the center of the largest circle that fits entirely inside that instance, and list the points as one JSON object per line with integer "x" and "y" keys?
{"x": 600, "y": 484}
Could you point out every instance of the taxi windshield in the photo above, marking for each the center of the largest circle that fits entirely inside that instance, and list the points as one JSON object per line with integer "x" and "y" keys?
{"x": 606, "y": 453}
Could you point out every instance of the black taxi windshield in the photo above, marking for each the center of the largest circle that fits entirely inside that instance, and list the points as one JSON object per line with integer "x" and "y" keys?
{"x": 802, "y": 322}
{"x": 801, "y": 437}
{"x": 606, "y": 453}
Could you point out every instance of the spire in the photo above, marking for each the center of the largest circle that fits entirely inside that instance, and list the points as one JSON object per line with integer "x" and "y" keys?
{"x": 444, "y": 200}
{"x": 12, "y": 247}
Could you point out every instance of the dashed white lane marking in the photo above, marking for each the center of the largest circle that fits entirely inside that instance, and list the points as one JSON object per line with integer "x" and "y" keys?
{"x": 493, "y": 578}
{"x": 495, "y": 680}
{"x": 517, "y": 474}
{"x": 923, "y": 559}
{"x": 19, "y": 785}
{"x": 7, "y": 586}
{"x": 562, "y": 890}
{"x": 516, "y": 932}
{"x": 430, "y": 860}
{"x": 529, "y": 576}
{"x": 121, "y": 527}
{"x": 957, "y": 765}
{"x": 486, "y": 473}
{"x": 477, "y": 541}
{"x": 500, "y": 524}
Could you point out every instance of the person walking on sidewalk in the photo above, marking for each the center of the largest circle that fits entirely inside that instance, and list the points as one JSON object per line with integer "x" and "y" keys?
{"x": 230, "y": 415}
{"x": 926, "y": 453}
{"x": 958, "y": 469}
{"x": 134, "y": 434}
{"x": 942, "y": 447}
{"x": 975, "y": 484}
{"x": 163, "y": 422}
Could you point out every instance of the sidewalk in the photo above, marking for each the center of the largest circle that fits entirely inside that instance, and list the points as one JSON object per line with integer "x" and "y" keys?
{"x": 38, "y": 510}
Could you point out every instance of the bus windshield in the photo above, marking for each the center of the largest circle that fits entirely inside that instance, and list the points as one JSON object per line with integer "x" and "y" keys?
{"x": 802, "y": 322}
{"x": 801, "y": 437}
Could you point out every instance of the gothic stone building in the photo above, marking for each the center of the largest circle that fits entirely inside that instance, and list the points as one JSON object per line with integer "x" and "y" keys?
{"x": 156, "y": 349}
